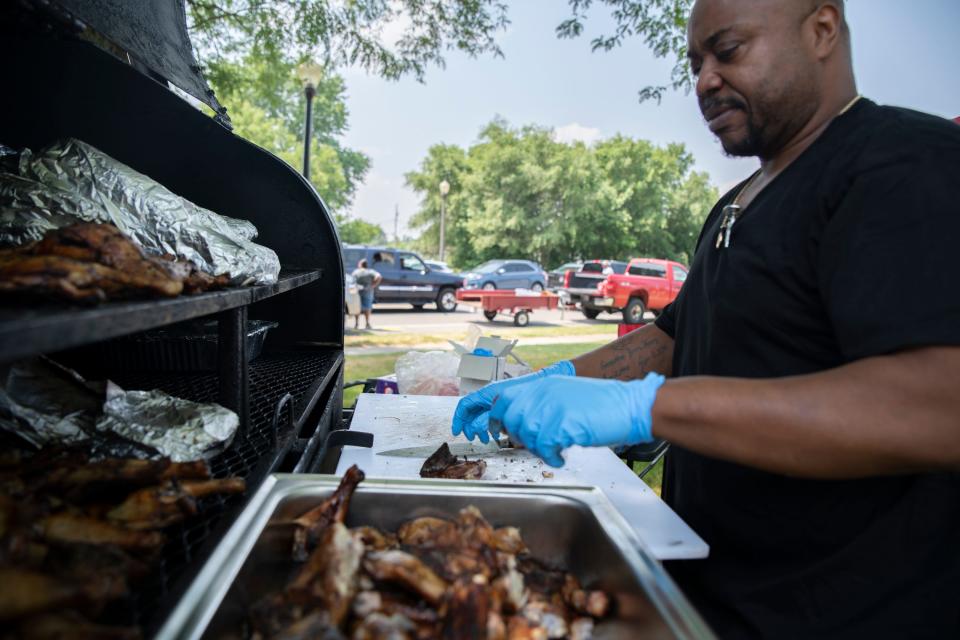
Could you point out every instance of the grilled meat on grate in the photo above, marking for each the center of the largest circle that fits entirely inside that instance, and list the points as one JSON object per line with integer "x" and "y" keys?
{"x": 77, "y": 536}
{"x": 93, "y": 262}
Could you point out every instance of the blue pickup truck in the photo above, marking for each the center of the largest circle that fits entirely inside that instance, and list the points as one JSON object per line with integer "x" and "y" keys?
{"x": 406, "y": 277}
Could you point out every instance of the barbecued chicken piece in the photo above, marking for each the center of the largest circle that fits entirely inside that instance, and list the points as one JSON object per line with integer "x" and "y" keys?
{"x": 429, "y": 532}
{"x": 594, "y": 603}
{"x": 334, "y": 509}
{"x": 315, "y": 626}
{"x": 581, "y": 629}
{"x": 84, "y": 560}
{"x": 389, "y": 603}
{"x": 550, "y": 617}
{"x": 376, "y": 540}
{"x": 329, "y": 578}
{"x": 475, "y": 531}
{"x": 378, "y": 626}
{"x": 71, "y": 528}
{"x": 124, "y": 472}
{"x": 25, "y": 592}
{"x": 406, "y": 570}
{"x": 468, "y": 607}
{"x": 508, "y": 589}
{"x": 508, "y": 540}
{"x": 70, "y": 624}
{"x": 62, "y": 278}
{"x": 154, "y": 507}
{"x": 519, "y": 628}
{"x": 171, "y": 502}
{"x": 105, "y": 244}
{"x": 443, "y": 464}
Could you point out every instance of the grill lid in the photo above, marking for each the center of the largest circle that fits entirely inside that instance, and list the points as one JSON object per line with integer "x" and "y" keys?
{"x": 153, "y": 33}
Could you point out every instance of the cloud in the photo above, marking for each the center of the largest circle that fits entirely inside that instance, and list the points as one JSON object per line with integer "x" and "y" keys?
{"x": 576, "y": 132}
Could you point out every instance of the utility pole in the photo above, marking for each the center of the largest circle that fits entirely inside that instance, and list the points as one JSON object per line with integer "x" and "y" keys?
{"x": 444, "y": 190}
{"x": 396, "y": 223}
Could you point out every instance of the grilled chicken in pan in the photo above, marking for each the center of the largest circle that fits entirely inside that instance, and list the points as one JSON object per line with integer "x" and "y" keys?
{"x": 68, "y": 555}
{"x": 434, "y": 578}
{"x": 333, "y": 509}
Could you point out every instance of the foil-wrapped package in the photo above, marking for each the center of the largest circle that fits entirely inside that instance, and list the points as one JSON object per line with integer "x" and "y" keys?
{"x": 49, "y": 405}
{"x": 71, "y": 181}
{"x": 179, "y": 429}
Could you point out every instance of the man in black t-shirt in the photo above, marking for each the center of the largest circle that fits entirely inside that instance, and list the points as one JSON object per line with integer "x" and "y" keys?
{"x": 813, "y": 399}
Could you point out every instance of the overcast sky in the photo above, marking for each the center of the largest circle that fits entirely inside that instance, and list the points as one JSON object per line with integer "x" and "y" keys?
{"x": 905, "y": 54}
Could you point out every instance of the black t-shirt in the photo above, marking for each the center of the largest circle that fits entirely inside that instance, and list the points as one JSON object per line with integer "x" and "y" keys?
{"x": 851, "y": 252}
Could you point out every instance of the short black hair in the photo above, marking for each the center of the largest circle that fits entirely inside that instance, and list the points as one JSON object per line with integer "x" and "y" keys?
{"x": 363, "y": 263}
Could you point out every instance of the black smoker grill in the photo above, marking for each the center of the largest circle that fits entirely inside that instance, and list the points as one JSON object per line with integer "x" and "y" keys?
{"x": 98, "y": 71}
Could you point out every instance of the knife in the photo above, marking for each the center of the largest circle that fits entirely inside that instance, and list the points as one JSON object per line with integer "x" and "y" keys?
{"x": 469, "y": 449}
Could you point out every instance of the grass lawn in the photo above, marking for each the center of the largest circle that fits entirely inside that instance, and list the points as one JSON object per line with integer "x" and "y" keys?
{"x": 371, "y": 366}
{"x": 392, "y": 338}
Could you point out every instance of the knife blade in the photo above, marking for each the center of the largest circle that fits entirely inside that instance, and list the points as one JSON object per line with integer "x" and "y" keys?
{"x": 469, "y": 449}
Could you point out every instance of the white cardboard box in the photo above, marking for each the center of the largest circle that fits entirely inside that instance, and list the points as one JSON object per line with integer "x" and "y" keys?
{"x": 478, "y": 371}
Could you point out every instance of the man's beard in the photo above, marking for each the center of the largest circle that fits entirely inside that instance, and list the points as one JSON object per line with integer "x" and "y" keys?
{"x": 770, "y": 125}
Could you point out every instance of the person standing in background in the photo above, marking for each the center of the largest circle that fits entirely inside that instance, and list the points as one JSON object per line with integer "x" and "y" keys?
{"x": 367, "y": 280}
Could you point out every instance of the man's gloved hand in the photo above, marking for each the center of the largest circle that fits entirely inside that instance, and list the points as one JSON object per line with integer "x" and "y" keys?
{"x": 553, "y": 413}
{"x": 471, "y": 415}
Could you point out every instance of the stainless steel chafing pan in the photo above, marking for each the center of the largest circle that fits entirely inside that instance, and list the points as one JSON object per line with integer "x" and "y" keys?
{"x": 573, "y": 527}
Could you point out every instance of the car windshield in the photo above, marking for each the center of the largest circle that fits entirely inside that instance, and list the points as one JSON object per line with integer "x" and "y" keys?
{"x": 488, "y": 267}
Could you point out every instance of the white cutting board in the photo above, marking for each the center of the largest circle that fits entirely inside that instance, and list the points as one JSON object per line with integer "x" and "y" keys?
{"x": 398, "y": 421}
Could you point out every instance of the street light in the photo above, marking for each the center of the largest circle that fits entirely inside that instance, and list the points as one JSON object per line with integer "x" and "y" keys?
{"x": 310, "y": 75}
{"x": 444, "y": 190}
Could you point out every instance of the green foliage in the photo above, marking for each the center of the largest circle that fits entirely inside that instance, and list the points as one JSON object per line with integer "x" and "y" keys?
{"x": 662, "y": 24}
{"x": 394, "y": 38}
{"x": 352, "y": 32}
{"x": 361, "y": 232}
{"x": 518, "y": 193}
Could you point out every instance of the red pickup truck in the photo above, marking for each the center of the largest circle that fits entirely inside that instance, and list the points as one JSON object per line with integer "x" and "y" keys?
{"x": 647, "y": 284}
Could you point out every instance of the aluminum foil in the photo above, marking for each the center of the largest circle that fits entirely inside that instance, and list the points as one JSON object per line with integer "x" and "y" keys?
{"x": 71, "y": 181}
{"x": 179, "y": 429}
{"x": 49, "y": 405}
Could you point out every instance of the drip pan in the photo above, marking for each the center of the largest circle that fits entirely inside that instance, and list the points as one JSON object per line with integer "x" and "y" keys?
{"x": 573, "y": 527}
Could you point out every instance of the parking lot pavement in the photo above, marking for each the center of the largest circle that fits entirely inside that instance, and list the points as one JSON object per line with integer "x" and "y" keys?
{"x": 402, "y": 317}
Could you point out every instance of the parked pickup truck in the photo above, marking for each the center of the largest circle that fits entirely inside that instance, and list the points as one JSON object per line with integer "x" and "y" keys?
{"x": 581, "y": 285}
{"x": 648, "y": 284}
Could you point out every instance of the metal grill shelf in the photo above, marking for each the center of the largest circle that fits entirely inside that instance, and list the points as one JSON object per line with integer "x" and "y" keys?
{"x": 27, "y": 331}
{"x": 301, "y": 373}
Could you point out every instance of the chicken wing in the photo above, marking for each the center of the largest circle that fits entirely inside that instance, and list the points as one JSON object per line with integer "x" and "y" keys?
{"x": 406, "y": 570}
{"x": 334, "y": 509}
{"x": 443, "y": 464}
{"x": 72, "y": 528}
{"x": 330, "y": 576}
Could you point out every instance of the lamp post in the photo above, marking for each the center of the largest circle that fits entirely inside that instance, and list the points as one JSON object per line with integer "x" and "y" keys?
{"x": 444, "y": 190}
{"x": 310, "y": 74}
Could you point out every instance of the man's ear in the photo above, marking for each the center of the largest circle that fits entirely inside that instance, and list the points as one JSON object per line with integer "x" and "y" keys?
{"x": 828, "y": 29}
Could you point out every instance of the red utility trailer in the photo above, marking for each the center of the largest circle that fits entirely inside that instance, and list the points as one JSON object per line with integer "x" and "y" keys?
{"x": 508, "y": 302}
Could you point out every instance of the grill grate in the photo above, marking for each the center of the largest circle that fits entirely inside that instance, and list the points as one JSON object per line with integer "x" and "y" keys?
{"x": 271, "y": 376}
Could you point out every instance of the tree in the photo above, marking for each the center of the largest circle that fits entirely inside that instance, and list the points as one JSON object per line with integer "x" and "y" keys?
{"x": 352, "y": 33}
{"x": 662, "y": 24}
{"x": 394, "y": 38}
{"x": 358, "y": 231}
{"x": 518, "y": 193}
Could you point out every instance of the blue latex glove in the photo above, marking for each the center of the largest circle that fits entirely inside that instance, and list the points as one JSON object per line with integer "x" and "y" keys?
{"x": 470, "y": 418}
{"x": 554, "y": 413}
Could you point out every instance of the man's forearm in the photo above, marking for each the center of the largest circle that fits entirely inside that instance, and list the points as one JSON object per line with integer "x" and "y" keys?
{"x": 632, "y": 356}
{"x": 883, "y": 415}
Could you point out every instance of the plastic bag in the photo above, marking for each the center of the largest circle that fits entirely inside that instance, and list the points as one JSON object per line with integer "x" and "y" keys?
{"x": 431, "y": 373}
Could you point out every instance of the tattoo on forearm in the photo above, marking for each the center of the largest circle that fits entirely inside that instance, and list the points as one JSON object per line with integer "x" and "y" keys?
{"x": 629, "y": 355}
